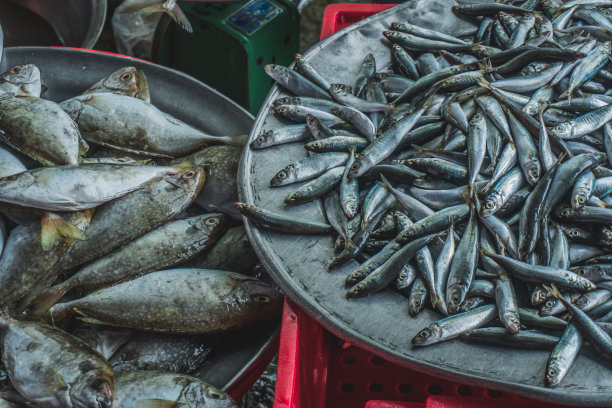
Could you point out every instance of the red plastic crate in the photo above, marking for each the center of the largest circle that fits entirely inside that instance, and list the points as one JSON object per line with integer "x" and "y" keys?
{"x": 338, "y": 16}
{"x": 318, "y": 370}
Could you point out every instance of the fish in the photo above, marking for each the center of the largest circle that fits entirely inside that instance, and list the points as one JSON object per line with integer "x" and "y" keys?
{"x": 21, "y": 80}
{"x": 136, "y": 389}
{"x": 52, "y": 368}
{"x": 189, "y": 301}
{"x": 132, "y": 125}
{"x": 40, "y": 129}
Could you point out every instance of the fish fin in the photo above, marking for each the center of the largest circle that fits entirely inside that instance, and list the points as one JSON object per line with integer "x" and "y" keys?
{"x": 90, "y": 320}
{"x": 43, "y": 88}
{"x": 53, "y": 227}
{"x": 47, "y": 299}
{"x": 483, "y": 82}
{"x": 157, "y": 403}
{"x": 55, "y": 380}
{"x": 175, "y": 13}
{"x": 552, "y": 289}
{"x": 385, "y": 183}
{"x": 349, "y": 245}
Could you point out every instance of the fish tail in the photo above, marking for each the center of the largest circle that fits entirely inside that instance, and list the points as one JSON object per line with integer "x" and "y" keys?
{"x": 53, "y": 227}
{"x": 552, "y": 289}
{"x": 175, "y": 13}
{"x": 483, "y": 82}
{"x": 385, "y": 183}
{"x": 349, "y": 245}
{"x": 46, "y": 300}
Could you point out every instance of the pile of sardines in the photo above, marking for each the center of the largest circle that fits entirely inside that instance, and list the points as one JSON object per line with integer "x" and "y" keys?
{"x": 90, "y": 245}
{"x": 474, "y": 177}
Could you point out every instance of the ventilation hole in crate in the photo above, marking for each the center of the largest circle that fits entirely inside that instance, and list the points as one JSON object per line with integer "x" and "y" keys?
{"x": 286, "y": 39}
{"x": 493, "y": 393}
{"x": 259, "y": 61}
{"x": 377, "y": 361}
{"x": 434, "y": 389}
{"x": 376, "y": 388}
{"x": 464, "y": 391}
{"x": 347, "y": 387}
{"x": 349, "y": 360}
{"x": 274, "y": 59}
{"x": 405, "y": 388}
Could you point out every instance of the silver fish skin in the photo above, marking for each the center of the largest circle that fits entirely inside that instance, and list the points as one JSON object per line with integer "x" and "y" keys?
{"x": 349, "y": 190}
{"x": 309, "y": 167}
{"x": 414, "y": 43}
{"x": 588, "y": 67}
{"x": 526, "y": 150}
{"x": 384, "y": 145}
{"x": 495, "y": 113}
{"x": 502, "y": 191}
{"x": 425, "y": 33}
{"x": 125, "y": 81}
{"x": 366, "y": 72}
{"x": 341, "y": 94}
{"x": 404, "y": 62}
{"x": 316, "y": 188}
{"x": 583, "y": 125}
{"x": 282, "y": 223}
{"x": 435, "y": 222}
{"x": 463, "y": 265}
{"x": 295, "y": 82}
{"x": 528, "y": 83}
{"x": 538, "y": 273}
{"x": 9, "y": 164}
{"x": 452, "y": 327}
{"x": 503, "y": 234}
{"x": 506, "y": 161}
{"x": 360, "y": 120}
{"x": 526, "y": 339}
{"x": 442, "y": 269}
{"x": 135, "y": 389}
{"x": 568, "y": 67}
{"x": 166, "y": 301}
{"x": 582, "y": 190}
{"x": 41, "y": 129}
{"x": 74, "y": 188}
{"x": 309, "y": 72}
{"x": 135, "y": 126}
{"x": 539, "y": 97}
{"x": 547, "y": 157}
{"x": 476, "y": 148}
{"x": 563, "y": 355}
{"x": 519, "y": 34}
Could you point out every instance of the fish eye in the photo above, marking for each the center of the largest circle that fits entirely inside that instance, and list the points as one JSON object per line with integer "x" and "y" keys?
{"x": 261, "y": 298}
{"x": 188, "y": 174}
{"x": 425, "y": 333}
{"x": 581, "y": 199}
{"x": 581, "y": 271}
{"x": 550, "y": 303}
{"x": 214, "y": 394}
{"x": 574, "y": 233}
{"x": 542, "y": 295}
{"x": 552, "y": 372}
{"x": 566, "y": 212}
{"x": 354, "y": 166}
{"x": 402, "y": 275}
{"x": 211, "y": 221}
{"x": 455, "y": 299}
{"x": 261, "y": 139}
{"x": 489, "y": 205}
{"x": 126, "y": 77}
{"x": 16, "y": 69}
{"x": 281, "y": 174}
{"x": 122, "y": 160}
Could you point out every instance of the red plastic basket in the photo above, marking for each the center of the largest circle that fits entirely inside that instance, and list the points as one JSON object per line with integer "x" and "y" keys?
{"x": 318, "y": 370}
{"x": 338, "y": 16}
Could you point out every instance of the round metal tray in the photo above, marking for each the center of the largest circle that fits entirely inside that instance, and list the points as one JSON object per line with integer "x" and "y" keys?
{"x": 380, "y": 323}
{"x": 68, "y": 72}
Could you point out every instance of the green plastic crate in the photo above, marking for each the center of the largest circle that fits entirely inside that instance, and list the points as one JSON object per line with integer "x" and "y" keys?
{"x": 230, "y": 45}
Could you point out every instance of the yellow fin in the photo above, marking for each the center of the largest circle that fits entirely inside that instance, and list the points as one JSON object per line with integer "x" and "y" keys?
{"x": 157, "y": 403}
{"x": 53, "y": 227}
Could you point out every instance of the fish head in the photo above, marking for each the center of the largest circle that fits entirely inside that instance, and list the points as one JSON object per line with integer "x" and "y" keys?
{"x": 282, "y": 101}
{"x": 512, "y": 322}
{"x": 552, "y": 376}
{"x": 339, "y": 89}
{"x": 471, "y": 303}
{"x": 261, "y": 141}
{"x": 606, "y": 233}
{"x": 538, "y": 297}
{"x": 565, "y": 213}
{"x": 198, "y": 394}
{"x": 455, "y": 297}
{"x": 285, "y": 176}
{"x": 492, "y": 203}
{"x": 563, "y": 130}
{"x": 93, "y": 389}
{"x": 359, "y": 166}
{"x": 22, "y": 74}
{"x": 427, "y": 336}
{"x": 190, "y": 180}
{"x": 533, "y": 170}
{"x": 577, "y": 234}
{"x": 125, "y": 81}
{"x": 275, "y": 72}
{"x": 261, "y": 298}
{"x": 548, "y": 308}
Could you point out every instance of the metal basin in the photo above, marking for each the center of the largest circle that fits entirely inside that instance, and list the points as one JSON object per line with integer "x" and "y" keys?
{"x": 380, "y": 323}
{"x": 72, "y": 23}
{"x": 67, "y": 72}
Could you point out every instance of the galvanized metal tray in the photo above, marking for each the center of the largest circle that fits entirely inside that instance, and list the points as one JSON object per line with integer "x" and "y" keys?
{"x": 68, "y": 72}
{"x": 380, "y": 323}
